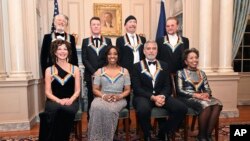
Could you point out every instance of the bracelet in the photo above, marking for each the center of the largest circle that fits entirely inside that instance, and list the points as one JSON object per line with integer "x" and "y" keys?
{"x": 103, "y": 96}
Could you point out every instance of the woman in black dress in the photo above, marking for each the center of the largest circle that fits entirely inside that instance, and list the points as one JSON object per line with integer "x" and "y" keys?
{"x": 62, "y": 88}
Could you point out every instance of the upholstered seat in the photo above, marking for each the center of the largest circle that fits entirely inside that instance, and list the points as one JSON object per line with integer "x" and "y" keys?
{"x": 124, "y": 115}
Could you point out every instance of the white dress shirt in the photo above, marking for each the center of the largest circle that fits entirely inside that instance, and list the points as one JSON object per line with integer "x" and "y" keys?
{"x": 173, "y": 40}
{"x": 152, "y": 69}
{"x": 133, "y": 42}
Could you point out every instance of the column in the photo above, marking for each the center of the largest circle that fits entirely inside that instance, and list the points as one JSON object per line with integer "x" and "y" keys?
{"x": 3, "y": 73}
{"x": 16, "y": 32}
{"x": 226, "y": 33}
{"x": 205, "y": 35}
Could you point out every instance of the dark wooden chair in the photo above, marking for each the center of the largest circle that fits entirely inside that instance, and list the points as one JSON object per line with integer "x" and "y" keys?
{"x": 191, "y": 113}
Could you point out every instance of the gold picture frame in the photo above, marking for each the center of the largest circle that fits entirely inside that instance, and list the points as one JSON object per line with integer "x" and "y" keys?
{"x": 111, "y": 18}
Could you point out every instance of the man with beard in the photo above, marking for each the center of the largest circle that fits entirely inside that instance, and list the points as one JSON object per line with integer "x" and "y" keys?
{"x": 130, "y": 46}
{"x": 152, "y": 88}
{"x": 60, "y": 23}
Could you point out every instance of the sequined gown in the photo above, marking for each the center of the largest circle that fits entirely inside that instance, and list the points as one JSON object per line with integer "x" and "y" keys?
{"x": 104, "y": 115}
{"x": 194, "y": 81}
{"x": 57, "y": 120}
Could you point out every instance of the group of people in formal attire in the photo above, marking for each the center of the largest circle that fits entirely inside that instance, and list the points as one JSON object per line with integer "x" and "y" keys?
{"x": 134, "y": 65}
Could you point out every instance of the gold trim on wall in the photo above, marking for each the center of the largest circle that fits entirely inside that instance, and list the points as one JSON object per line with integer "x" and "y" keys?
{"x": 111, "y": 18}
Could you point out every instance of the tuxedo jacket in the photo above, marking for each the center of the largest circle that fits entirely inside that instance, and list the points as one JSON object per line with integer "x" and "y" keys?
{"x": 126, "y": 50}
{"x": 45, "y": 56}
{"x": 93, "y": 57}
{"x": 142, "y": 80}
{"x": 173, "y": 57}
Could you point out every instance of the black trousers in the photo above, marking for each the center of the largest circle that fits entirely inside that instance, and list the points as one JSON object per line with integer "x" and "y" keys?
{"x": 144, "y": 106}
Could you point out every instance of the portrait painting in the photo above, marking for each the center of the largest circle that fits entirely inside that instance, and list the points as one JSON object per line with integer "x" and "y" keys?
{"x": 110, "y": 15}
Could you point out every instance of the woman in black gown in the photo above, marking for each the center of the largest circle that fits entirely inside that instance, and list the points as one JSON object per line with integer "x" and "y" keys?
{"x": 62, "y": 88}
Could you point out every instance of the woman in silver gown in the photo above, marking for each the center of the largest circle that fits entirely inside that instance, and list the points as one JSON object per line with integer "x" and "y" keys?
{"x": 193, "y": 89}
{"x": 111, "y": 84}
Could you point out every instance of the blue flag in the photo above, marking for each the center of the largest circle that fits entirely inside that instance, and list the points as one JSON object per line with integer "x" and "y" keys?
{"x": 161, "y": 30}
{"x": 56, "y": 12}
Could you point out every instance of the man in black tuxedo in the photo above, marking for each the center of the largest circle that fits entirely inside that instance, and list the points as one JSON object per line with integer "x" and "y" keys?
{"x": 151, "y": 84}
{"x": 130, "y": 46}
{"x": 93, "y": 54}
{"x": 172, "y": 46}
{"x": 60, "y": 23}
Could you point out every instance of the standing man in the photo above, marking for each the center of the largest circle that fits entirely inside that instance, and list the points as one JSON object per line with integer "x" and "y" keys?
{"x": 130, "y": 46}
{"x": 93, "y": 54}
{"x": 172, "y": 46}
{"x": 61, "y": 23}
{"x": 152, "y": 88}
{"x": 170, "y": 50}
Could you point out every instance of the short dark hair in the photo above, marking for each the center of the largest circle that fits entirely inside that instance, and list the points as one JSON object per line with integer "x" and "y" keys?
{"x": 54, "y": 46}
{"x": 94, "y": 18}
{"x": 188, "y": 51}
{"x": 173, "y": 18}
{"x": 130, "y": 17}
{"x": 107, "y": 52}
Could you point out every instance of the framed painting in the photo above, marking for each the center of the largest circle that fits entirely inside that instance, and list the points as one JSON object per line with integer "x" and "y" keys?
{"x": 111, "y": 18}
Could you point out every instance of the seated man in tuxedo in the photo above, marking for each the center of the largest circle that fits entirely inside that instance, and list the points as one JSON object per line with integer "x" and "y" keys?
{"x": 152, "y": 88}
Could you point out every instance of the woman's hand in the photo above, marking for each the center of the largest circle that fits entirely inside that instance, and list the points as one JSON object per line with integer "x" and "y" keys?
{"x": 65, "y": 101}
{"x": 107, "y": 97}
{"x": 202, "y": 96}
{"x": 68, "y": 101}
{"x": 117, "y": 97}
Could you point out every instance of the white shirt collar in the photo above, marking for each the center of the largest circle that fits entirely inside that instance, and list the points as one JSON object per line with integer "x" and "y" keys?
{"x": 130, "y": 35}
{"x": 99, "y": 36}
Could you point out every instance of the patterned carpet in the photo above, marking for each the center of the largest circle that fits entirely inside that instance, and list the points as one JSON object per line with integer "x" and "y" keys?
{"x": 223, "y": 131}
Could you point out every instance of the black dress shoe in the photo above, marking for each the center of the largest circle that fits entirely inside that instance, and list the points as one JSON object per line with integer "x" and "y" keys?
{"x": 201, "y": 139}
{"x": 147, "y": 138}
{"x": 209, "y": 138}
{"x": 160, "y": 136}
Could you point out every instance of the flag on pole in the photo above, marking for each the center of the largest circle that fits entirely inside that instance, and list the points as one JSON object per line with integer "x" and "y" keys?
{"x": 56, "y": 12}
{"x": 161, "y": 30}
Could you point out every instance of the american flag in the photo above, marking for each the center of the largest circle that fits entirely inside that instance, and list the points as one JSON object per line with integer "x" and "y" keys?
{"x": 56, "y": 12}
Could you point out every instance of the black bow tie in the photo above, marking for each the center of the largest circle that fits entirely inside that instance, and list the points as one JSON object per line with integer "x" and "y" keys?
{"x": 97, "y": 39}
{"x": 153, "y": 63}
{"x": 60, "y": 34}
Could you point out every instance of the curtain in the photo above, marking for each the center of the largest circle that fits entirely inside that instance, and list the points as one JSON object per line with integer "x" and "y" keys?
{"x": 241, "y": 11}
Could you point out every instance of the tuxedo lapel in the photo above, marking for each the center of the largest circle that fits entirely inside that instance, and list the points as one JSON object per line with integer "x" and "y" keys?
{"x": 145, "y": 70}
{"x": 97, "y": 49}
{"x": 167, "y": 43}
{"x": 128, "y": 43}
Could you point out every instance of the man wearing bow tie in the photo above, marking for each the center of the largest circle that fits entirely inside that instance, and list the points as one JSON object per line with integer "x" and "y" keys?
{"x": 60, "y": 22}
{"x": 93, "y": 54}
{"x": 130, "y": 46}
{"x": 152, "y": 88}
